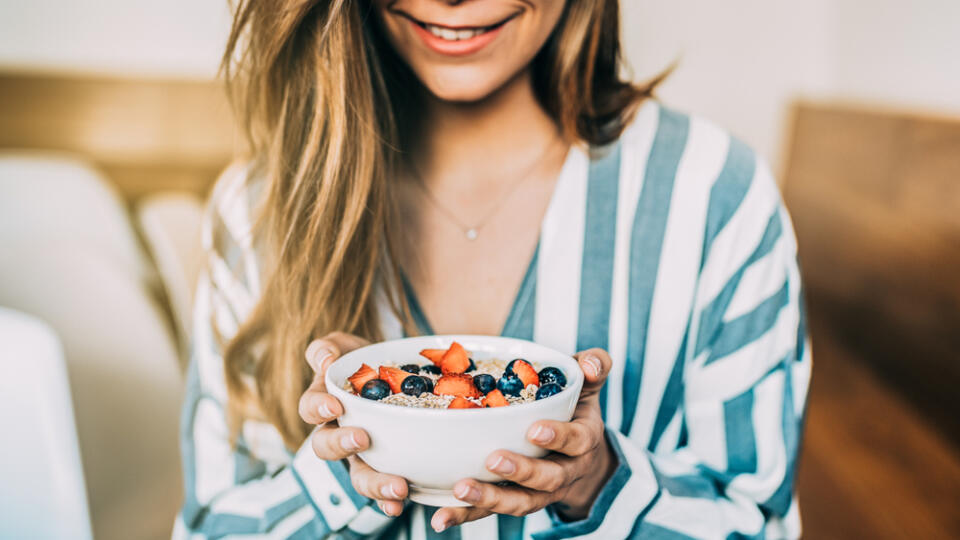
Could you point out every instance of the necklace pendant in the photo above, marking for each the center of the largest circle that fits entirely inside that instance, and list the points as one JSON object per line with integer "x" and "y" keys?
{"x": 471, "y": 234}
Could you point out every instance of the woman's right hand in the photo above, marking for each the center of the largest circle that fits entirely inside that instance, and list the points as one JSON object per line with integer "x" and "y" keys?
{"x": 331, "y": 442}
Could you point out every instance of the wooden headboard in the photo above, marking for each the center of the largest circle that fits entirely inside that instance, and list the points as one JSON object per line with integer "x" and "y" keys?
{"x": 875, "y": 197}
{"x": 146, "y": 135}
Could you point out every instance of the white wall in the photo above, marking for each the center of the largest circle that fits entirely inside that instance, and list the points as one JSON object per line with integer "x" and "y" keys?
{"x": 163, "y": 38}
{"x": 890, "y": 53}
{"x": 741, "y": 62}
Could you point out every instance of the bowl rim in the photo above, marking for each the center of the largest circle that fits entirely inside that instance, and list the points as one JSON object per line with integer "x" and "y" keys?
{"x": 575, "y": 379}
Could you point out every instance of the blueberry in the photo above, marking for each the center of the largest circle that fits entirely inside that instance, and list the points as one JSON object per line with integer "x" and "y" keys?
{"x": 414, "y": 385}
{"x": 484, "y": 383}
{"x": 548, "y": 390}
{"x": 552, "y": 375}
{"x": 411, "y": 368}
{"x": 375, "y": 389}
{"x": 510, "y": 384}
{"x": 472, "y": 366}
{"x": 429, "y": 383}
{"x": 430, "y": 369}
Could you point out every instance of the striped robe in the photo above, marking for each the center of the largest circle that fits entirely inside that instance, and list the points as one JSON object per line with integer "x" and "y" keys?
{"x": 673, "y": 251}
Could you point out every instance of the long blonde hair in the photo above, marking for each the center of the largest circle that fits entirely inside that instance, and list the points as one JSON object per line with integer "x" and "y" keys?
{"x": 321, "y": 96}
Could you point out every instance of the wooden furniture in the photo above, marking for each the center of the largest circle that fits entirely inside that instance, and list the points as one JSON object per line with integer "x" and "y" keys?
{"x": 873, "y": 466}
{"x": 146, "y": 135}
{"x": 875, "y": 199}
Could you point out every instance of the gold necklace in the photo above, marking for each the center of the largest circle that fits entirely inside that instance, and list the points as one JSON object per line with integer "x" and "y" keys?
{"x": 472, "y": 232}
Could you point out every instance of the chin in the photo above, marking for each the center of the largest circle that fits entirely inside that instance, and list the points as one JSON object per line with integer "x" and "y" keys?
{"x": 458, "y": 86}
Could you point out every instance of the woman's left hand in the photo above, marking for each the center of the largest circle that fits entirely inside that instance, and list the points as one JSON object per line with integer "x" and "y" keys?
{"x": 571, "y": 476}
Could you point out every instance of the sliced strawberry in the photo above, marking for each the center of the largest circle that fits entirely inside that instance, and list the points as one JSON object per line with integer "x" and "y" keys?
{"x": 361, "y": 376}
{"x": 394, "y": 377}
{"x": 462, "y": 403}
{"x": 456, "y": 384}
{"x": 495, "y": 399}
{"x": 526, "y": 373}
{"x": 434, "y": 355}
{"x": 455, "y": 360}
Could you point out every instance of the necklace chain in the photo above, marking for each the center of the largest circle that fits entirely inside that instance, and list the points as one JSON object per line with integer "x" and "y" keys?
{"x": 471, "y": 232}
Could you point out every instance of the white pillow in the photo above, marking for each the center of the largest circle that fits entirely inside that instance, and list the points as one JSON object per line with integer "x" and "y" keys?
{"x": 170, "y": 226}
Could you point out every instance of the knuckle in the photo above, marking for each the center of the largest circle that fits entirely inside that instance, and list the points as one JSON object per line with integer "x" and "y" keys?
{"x": 362, "y": 483}
{"x": 521, "y": 507}
{"x": 359, "y": 484}
{"x": 304, "y": 408}
{"x": 584, "y": 441}
{"x": 329, "y": 342}
{"x": 488, "y": 497}
{"x": 595, "y": 437}
{"x": 562, "y": 438}
{"x": 555, "y": 481}
{"x": 575, "y": 442}
{"x": 319, "y": 444}
{"x": 584, "y": 447}
{"x": 525, "y": 471}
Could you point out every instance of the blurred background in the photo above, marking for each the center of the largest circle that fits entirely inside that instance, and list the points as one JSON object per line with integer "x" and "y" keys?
{"x": 113, "y": 129}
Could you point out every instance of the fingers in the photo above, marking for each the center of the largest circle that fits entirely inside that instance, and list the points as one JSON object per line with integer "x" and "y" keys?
{"x": 322, "y": 351}
{"x": 574, "y": 438}
{"x": 506, "y": 499}
{"x": 333, "y": 444}
{"x": 595, "y": 364}
{"x": 388, "y": 490}
{"x": 318, "y": 407}
{"x": 539, "y": 474}
{"x": 445, "y": 518}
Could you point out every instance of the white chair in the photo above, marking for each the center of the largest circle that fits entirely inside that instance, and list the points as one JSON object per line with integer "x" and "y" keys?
{"x": 54, "y": 196}
{"x": 42, "y": 494}
{"x": 69, "y": 256}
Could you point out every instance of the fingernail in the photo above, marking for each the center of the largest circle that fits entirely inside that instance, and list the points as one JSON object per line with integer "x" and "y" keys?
{"x": 317, "y": 354}
{"x": 325, "y": 411}
{"x": 438, "y": 524}
{"x": 311, "y": 351}
{"x": 542, "y": 434}
{"x": 349, "y": 442}
{"x": 593, "y": 363}
{"x": 322, "y": 356}
{"x": 383, "y": 507}
{"x": 503, "y": 466}
{"x": 388, "y": 491}
{"x": 466, "y": 492}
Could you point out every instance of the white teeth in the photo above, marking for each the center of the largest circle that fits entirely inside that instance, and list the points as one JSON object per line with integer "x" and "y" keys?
{"x": 451, "y": 34}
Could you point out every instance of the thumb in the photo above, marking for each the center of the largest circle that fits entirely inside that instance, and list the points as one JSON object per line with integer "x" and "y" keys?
{"x": 322, "y": 352}
{"x": 595, "y": 364}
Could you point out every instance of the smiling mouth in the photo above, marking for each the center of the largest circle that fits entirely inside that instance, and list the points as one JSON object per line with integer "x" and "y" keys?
{"x": 459, "y": 33}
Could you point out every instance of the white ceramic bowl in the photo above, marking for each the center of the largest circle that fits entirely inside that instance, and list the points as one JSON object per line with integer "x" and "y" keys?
{"x": 434, "y": 448}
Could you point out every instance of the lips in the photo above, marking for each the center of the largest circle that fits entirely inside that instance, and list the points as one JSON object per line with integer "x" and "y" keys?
{"x": 456, "y": 40}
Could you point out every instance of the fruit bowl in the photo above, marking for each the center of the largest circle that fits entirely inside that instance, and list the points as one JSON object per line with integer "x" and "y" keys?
{"x": 434, "y": 448}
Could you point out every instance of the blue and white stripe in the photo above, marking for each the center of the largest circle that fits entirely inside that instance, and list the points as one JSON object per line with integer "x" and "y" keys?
{"x": 671, "y": 249}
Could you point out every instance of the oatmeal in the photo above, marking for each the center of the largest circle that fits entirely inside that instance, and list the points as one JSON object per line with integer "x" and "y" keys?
{"x": 455, "y": 381}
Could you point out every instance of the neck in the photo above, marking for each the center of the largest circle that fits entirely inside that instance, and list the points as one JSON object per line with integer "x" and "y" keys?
{"x": 459, "y": 139}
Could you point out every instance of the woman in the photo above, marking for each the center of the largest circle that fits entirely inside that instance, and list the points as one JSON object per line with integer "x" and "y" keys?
{"x": 428, "y": 166}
